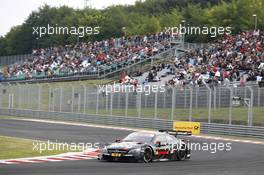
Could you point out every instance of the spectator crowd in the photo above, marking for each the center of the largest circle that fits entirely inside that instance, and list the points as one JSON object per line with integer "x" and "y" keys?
{"x": 87, "y": 58}
{"x": 233, "y": 58}
{"x": 237, "y": 58}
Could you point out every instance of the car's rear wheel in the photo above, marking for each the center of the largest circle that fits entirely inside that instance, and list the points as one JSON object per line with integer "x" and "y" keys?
{"x": 181, "y": 155}
{"x": 148, "y": 155}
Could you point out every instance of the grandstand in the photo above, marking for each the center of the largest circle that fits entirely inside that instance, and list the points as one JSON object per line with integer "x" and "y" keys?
{"x": 89, "y": 59}
{"x": 238, "y": 58}
{"x": 230, "y": 59}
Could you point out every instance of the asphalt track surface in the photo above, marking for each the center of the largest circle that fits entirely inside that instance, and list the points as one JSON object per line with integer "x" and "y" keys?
{"x": 243, "y": 159}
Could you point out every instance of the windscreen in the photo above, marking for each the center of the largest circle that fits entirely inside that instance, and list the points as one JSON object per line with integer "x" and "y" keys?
{"x": 139, "y": 137}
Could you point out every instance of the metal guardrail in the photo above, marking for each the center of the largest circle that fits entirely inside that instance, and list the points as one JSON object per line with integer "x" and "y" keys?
{"x": 206, "y": 128}
{"x": 96, "y": 119}
{"x": 236, "y": 130}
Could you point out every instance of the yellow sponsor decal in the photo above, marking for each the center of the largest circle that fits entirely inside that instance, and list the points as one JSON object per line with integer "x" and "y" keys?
{"x": 193, "y": 127}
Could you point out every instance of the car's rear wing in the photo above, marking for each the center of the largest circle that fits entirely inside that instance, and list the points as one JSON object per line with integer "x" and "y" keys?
{"x": 176, "y": 133}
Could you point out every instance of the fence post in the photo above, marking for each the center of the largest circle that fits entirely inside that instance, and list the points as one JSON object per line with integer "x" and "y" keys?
{"x": 118, "y": 101}
{"x": 258, "y": 96}
{"x": 230, "y": 105}
{"x": 214, "y": 90}
{"x": 196, "y": 97}
{"x": 97, "y": 101}
{"x": 126, "y": 104}
{"x": 79, "y": 102}
{"x": 72, "y": 99}
{"x": 111, "y": 103}
{"x": 39, "y": 96}
{"x": 53, "y": 99}
{"x": 18, "y": 95}
{"x": 1, "y": 95}
{"x": 139, "y": 104}
{"x": 164, "y": 100}
{"x": 61, "y": 98}
{"x": 156, "y": 105}
{"x": 185, "y": 103}
{"x": 172, "y": 103}
{"x": 191, "y": 100}
{"x": 250, "y": 110}
{"x": 106, "y": 103}
{"x": 84, "y": 98}
{"x": 209, "y": 103}
{"x": 49, "y": 98}
{"x": 219, "y": 98}
{"x": 28, "y": 94}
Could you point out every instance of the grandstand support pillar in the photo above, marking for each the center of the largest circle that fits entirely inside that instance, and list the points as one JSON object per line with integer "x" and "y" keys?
{"x": 156, "y": 105}
{"x": 191, "y": 104}
{"x": 139, "y": 104}
{"x": 173, "y": 103}
{"x": 126, "y": 110}
{"x": 230, "y": 105}
{"x": 209, "y": 103}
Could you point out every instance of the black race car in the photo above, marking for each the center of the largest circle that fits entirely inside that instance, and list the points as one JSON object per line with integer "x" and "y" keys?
{"x": 147, "y": 147}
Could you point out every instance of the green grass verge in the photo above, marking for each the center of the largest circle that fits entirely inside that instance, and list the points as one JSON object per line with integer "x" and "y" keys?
{"x": 12, "y": 147}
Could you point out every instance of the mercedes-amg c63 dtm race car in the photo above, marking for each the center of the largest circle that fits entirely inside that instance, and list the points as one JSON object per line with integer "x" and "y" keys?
{"x": 147, "y": 147}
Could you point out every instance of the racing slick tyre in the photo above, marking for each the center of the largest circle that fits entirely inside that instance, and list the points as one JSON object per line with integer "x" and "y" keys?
{"x": 148, "y": 155}
{"x": 182, "y": 154}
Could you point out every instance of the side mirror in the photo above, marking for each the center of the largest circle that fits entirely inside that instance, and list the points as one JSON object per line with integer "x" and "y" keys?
{"x": 158, "y": 144}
